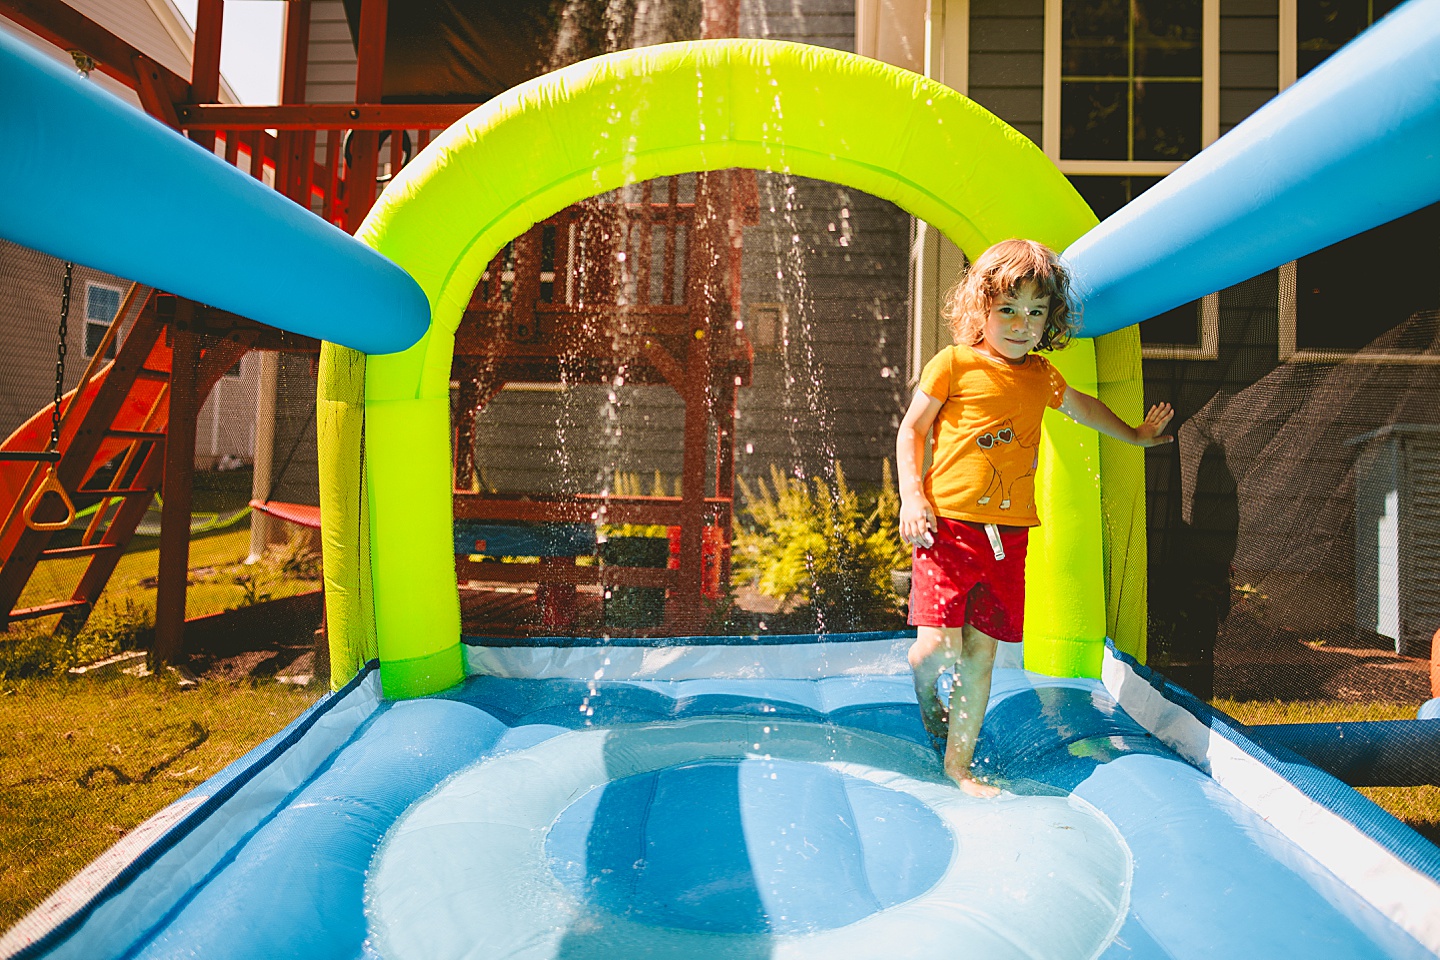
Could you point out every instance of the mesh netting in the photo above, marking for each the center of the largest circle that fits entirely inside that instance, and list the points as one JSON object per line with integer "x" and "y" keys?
{"x": 97, "y": 741}
{"x": 1293, "y": 539}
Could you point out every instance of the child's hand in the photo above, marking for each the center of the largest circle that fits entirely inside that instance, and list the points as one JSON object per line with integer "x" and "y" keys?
{"x": 1151, "y": 432}
{"x": 917, "y": 522}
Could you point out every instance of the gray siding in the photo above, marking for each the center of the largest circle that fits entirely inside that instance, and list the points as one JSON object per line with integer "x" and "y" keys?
{"x": 847, "y": 312}
{"x": 837, "y": 390}
{"x": 824, "y": 23}
{"x": 1249, "y": 58}
{"x": 1007, "y": 40}
{"x": 330, "y": 70}
{"x": 296, "y": 476}
{"x": 30, "y": 285}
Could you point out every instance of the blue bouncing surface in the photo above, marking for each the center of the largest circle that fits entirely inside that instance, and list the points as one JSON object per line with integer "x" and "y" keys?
{"x": 738, "y": 836}
{"x": 740, "y": 846}
{"x": 746, "y": 818}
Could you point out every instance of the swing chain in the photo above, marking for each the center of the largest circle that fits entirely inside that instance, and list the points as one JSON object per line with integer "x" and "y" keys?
{"x": 60, "y": 349}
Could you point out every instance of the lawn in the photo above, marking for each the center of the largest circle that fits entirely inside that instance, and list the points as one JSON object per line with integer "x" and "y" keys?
{"x": 219, "y": 579}
{"x": 1417, "y": 806}
{"x": 84, "y": 761}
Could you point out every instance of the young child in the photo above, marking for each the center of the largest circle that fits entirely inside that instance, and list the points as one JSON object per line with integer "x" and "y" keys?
{"x": 984, "y": 397}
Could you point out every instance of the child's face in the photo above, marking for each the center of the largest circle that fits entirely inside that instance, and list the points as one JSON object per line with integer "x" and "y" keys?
{"x": 1015, "y": 324}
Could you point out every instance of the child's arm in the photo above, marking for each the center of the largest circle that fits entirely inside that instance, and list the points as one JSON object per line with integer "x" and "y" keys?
{"x": 917, "y": 516}
{"x": 1091, "y": 412}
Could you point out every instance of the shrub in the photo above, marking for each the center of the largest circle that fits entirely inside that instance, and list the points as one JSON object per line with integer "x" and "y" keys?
{"x": 34, "y": 650}
{"x": 824, "y": 546}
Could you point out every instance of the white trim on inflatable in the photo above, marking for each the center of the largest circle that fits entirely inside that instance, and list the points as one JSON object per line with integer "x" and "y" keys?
{"x": 183, "y": 862}
{"x": 1404, "y": 895}
{"x": 781, "y": 661}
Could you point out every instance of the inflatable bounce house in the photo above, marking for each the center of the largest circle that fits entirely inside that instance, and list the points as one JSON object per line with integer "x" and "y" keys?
{"x": 732, "y": 796}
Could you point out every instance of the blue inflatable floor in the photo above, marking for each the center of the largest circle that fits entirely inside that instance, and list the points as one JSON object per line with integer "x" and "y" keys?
{"x": 747, "y": 817}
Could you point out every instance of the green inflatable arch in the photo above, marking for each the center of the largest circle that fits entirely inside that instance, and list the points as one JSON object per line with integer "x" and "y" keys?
{"x": 619, "y": 119}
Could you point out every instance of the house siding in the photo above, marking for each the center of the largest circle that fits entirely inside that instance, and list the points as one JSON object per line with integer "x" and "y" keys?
{"x": 1249, "y": 58}
{"x": 330, "y": 68}
{"x": 1007, "y": 51}
{"x": 847, "y": 306}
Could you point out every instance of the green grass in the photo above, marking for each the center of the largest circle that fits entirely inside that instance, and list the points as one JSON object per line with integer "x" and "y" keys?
{"x": 215, "y": 567}
{"x": 124, "y": 617}
{"x": 1417, "y": 806}
{"x": 85, "y": 761}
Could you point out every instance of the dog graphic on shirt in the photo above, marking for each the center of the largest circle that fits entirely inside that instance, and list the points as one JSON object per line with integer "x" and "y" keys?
{"x": 992, "y": 444}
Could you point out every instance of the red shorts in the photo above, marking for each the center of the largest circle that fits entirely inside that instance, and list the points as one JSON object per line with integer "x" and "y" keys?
{"x": 959, "y": 581}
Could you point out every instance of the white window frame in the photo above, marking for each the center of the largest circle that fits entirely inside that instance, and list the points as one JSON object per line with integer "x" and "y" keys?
{"x": 1207, "y": 349}
{"x": 1209, "y": 99}
{"x": 91, "y": 285}
{"x": 1289, "y": 323}
{"x": 1289, "y": 25}
{"x": 1209, "y": 346}
{"x": 781, "y": 326}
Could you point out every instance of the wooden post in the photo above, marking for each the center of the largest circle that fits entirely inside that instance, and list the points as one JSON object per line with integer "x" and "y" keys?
{"x": 297, "y": 147}
{"x": 205, "y": 61}
{"x": 703, "y": 251}
{"x": 725, "y": 464}
{"x": 264, "y": 453}
{"x": 176, "y": 490}
{"x": 369, "y": 84}
{"x": 720, "y": 19}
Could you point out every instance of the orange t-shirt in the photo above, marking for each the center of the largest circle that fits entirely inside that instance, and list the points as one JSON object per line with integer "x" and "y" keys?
{"x": 987, "y": 434}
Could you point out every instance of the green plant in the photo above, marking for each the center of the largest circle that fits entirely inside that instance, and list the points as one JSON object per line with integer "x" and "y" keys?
{"x": 251, "y": 585}
{"x": 822, "y": 545}
{"x": 35, "y": 650}
{"x": 298, "y": 559}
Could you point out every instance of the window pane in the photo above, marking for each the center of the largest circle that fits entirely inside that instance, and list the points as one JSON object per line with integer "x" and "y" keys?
{"x": 1094, "y": 39}
{"x": 1324, "y": 26}
{"x": 101, "y": 303}
{"x": 1339, "y": 304}
{"x": 1094, "y": 121}
{"x": 1177, "y": 327}
{"x": 1167, "y": 38}
{"x": 1105, "y": 195}
{"x": 1167, "y": 120}
{"x": 94, "y": 333}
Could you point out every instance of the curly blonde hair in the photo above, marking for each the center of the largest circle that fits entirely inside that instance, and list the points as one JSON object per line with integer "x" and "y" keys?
{"x": 1000, "y": 272}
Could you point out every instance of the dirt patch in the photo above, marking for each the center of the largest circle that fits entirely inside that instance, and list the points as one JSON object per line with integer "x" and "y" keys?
{"x": 1294, "y": 666}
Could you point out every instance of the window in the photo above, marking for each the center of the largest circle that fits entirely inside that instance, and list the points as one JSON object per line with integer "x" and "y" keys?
{"x": 1329, "y": 310}
{"x": 767, "y": 326}
{"x": 1324, "y": 26}
{"x": 101, "y": 304}
{"x": 1131, "y": 86}
{"x": 1332, "y": 308}
{"x": 1130, "y": 79}
{"x": 1190, "y": 331}
{"x": 1131, "y": 93}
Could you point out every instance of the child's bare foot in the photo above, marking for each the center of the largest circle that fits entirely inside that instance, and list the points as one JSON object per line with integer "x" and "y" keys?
{"x": 977, "y": 789}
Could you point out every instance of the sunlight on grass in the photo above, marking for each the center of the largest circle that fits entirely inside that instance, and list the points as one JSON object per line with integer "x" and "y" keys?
{"x": 1417, "y": 806}
{"x": 85, "y": 761}
{"x": 216, "y": 577}
{"x": 1313, "y": 711}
